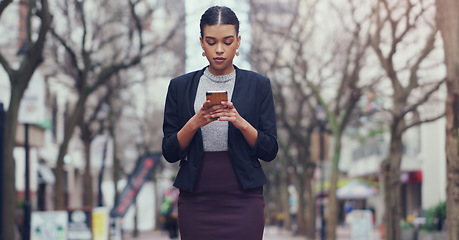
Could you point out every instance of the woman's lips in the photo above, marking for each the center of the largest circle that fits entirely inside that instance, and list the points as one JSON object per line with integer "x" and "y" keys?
{"x": 219, "y": 59}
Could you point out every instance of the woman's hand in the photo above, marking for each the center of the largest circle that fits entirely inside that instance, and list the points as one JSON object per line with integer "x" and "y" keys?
{"x": 200, "y": 119}
{"x": 227, "y": 112}
{"x": 204, "y": 115}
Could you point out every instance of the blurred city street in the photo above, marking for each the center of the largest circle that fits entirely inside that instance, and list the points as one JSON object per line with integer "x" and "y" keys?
{"x": 344, "y": 113}
{"x": 271, "y": 233}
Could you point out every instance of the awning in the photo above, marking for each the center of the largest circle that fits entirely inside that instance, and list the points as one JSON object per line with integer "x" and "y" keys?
{"x": 356, "y": 190}
{"x": 45, "y": 174}
{"x": 341, "y": 183}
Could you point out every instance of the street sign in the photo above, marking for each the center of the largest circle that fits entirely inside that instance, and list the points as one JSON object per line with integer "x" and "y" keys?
{"x": 361, "y": 225}
{"x": 100, "y": 223}
{"x": 145, "y": 166}
{"x": 49, "y": 225}
{"x": 79, "y": 225}
{"x": 32, "y": 106}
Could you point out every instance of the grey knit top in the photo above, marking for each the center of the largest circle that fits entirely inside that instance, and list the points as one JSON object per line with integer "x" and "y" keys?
{"x": 214, "y": 134}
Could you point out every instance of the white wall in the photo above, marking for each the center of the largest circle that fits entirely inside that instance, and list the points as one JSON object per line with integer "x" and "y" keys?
{"x": 19, "y": 157}
{"x": 434, "y": 163}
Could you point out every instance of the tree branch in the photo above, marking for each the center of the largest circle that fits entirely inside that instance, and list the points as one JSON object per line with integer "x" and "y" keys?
{"x": 137, "y": 23}
{"x": 70, "y": 52}
{"x": 428, "y": 47}
{"x": 417, "y": 123}
{"x": 6, "y": 66}
{"x": 424, "y": 98}
{"x": 44, "y": 27}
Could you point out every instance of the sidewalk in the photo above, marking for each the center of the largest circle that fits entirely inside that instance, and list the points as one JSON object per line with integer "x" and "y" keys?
{"x": 271, "y": 233}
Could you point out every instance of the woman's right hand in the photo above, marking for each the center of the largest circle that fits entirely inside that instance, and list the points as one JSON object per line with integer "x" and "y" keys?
{"x": 200, "y": 119}
{"x": 203, "y": 116}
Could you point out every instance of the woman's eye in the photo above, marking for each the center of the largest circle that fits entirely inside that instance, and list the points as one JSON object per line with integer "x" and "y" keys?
{"x": 228, "y": 43}
{"x": 211, "y": 43}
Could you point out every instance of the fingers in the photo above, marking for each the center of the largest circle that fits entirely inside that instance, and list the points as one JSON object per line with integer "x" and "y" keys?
{"x": 229, "y": 105}
{"x": 206, "y": 105}
{"x": 210, "y": 113}
{"x": 222, "y": 112}
{"x": 226, "y": 112}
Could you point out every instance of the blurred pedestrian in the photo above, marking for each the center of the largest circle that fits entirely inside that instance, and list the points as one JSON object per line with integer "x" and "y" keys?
{"x": 219, "y": 146}
{"x": 169, "y": 212}
{"x": 293, "y": 207}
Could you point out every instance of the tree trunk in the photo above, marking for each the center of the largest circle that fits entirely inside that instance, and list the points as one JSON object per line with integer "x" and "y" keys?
{"x": 331, "y": 215}
{"x": 19, "y": 81}
{"x": 284, "y": 196}
{"x": 390, "y": 168}
{"x": 301, "y": 207}
{"x": 88, "y": 199}
{"x": 9, "y": 178}
{"x": 448, "y": 21}
{"x": 59, "y": 172}
{"x": 310, "y": 212}
{"x": 116, "y": 165}
{"x": 86, "y": 138}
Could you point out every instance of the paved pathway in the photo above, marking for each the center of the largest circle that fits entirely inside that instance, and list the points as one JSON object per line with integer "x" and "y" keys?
{"x": 271, "y": 233}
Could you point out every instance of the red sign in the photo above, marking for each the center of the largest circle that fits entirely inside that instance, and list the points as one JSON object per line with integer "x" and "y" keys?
{"x": 145, "y": 166}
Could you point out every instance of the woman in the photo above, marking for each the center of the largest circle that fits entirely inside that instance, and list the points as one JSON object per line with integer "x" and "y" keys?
{"x": 219, "y": 147}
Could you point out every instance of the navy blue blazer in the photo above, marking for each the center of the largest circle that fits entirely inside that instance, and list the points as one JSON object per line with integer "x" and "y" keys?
{"x": 252, "y": 98}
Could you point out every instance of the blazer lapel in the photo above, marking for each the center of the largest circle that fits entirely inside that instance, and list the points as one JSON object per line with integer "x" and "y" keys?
{"x": 236, "y": 98}
{"x": 193, "y": 89}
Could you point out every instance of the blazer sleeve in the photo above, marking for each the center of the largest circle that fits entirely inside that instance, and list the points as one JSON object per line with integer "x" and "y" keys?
{"x": 266, "y": 146}
{"x": 171, "y": 126}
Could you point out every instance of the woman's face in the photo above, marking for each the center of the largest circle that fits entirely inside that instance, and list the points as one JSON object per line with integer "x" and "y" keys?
{"x": 220, "y": 43}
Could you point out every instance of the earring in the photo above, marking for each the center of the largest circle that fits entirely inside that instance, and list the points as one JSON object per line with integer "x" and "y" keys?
{"x": 203, "y": 54}
{"x": 237, "y": 54}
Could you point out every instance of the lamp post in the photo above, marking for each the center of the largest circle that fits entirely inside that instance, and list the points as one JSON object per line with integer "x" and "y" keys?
{"x": 321, "y": 117}
{"x": 27, "y": 205}
{"x": 102, "y": 116}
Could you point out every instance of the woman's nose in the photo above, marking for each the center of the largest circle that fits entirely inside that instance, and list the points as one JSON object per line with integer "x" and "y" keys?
{"x": 219, "y": 48}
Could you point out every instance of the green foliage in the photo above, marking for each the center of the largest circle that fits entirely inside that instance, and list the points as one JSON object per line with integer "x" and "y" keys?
{"x": 405, "y": 225}
{"x": 435, "y": 217}
{"x": 20, "y": 204}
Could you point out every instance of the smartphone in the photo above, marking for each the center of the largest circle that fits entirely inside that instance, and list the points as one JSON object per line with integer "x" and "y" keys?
{"x": 216, "y": 97}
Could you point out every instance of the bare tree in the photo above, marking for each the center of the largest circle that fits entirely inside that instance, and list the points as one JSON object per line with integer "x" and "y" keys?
{"x": 106, "y": 44}
{"x": 19, "y": 77}
{"x": 305, "y": 71}
{"x": 90, "y": 126}
{"x": 346, "y": 63}
{"x": 395, "y": 25}
{"x": 447, "y": 19}
{"x": 280, "y": 34}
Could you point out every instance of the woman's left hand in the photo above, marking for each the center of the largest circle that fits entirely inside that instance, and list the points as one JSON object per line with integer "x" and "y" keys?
{"x": 230, "y": 114}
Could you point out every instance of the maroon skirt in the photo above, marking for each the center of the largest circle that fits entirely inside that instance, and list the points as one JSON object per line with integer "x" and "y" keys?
{"x": 218, "y": 208}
